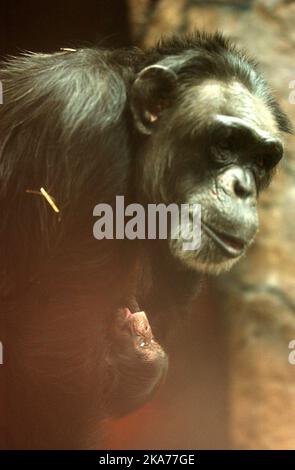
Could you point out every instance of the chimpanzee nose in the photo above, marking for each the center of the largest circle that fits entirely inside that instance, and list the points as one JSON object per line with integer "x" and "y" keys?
{"x": 243, "y": 185}
{"x": 238, "y": 182}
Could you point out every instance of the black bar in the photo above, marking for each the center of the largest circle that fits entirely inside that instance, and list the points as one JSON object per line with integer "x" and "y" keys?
{"x": 95, "y": 459}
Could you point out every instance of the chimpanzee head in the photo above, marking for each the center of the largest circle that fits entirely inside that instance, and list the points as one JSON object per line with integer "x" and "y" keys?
{"x": 211, "y": 134}
{"x": 139, "y": 364}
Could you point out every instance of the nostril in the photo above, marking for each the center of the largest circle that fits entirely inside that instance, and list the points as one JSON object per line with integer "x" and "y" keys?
{"x": 238, "y": 182}
{"x": 242, "y": 190}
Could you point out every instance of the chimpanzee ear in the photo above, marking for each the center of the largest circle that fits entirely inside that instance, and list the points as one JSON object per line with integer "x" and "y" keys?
{"x": 152, "y": 92}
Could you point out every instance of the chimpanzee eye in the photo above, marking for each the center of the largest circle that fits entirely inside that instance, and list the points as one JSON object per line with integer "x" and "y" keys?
{"x": 270, "y": 156}
{"x": 224, "y": 144}
{"x": 221, "y": 153}
{"x": 267, "y": 161}
{"x": 261, "y": 162}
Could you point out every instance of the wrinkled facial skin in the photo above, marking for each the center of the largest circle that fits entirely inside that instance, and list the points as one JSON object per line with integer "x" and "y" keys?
{"x": 134, "y": 336}
{"x": 138, "y": 362}
{"x": 218, "y": 148}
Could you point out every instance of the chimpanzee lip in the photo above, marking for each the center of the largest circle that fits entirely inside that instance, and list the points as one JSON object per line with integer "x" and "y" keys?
{"x": 230, "y": 244}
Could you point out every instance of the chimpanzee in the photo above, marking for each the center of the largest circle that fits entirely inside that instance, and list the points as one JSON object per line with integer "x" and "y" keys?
{"x": 140, "y": 363}
{"x": 190, "y": 120}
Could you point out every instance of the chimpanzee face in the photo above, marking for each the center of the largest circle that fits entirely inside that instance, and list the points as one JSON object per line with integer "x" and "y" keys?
{"x": 215, "y": 144}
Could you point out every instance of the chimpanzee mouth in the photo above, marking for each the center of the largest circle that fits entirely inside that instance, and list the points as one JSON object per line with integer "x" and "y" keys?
{"x": 231, "y": 245}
